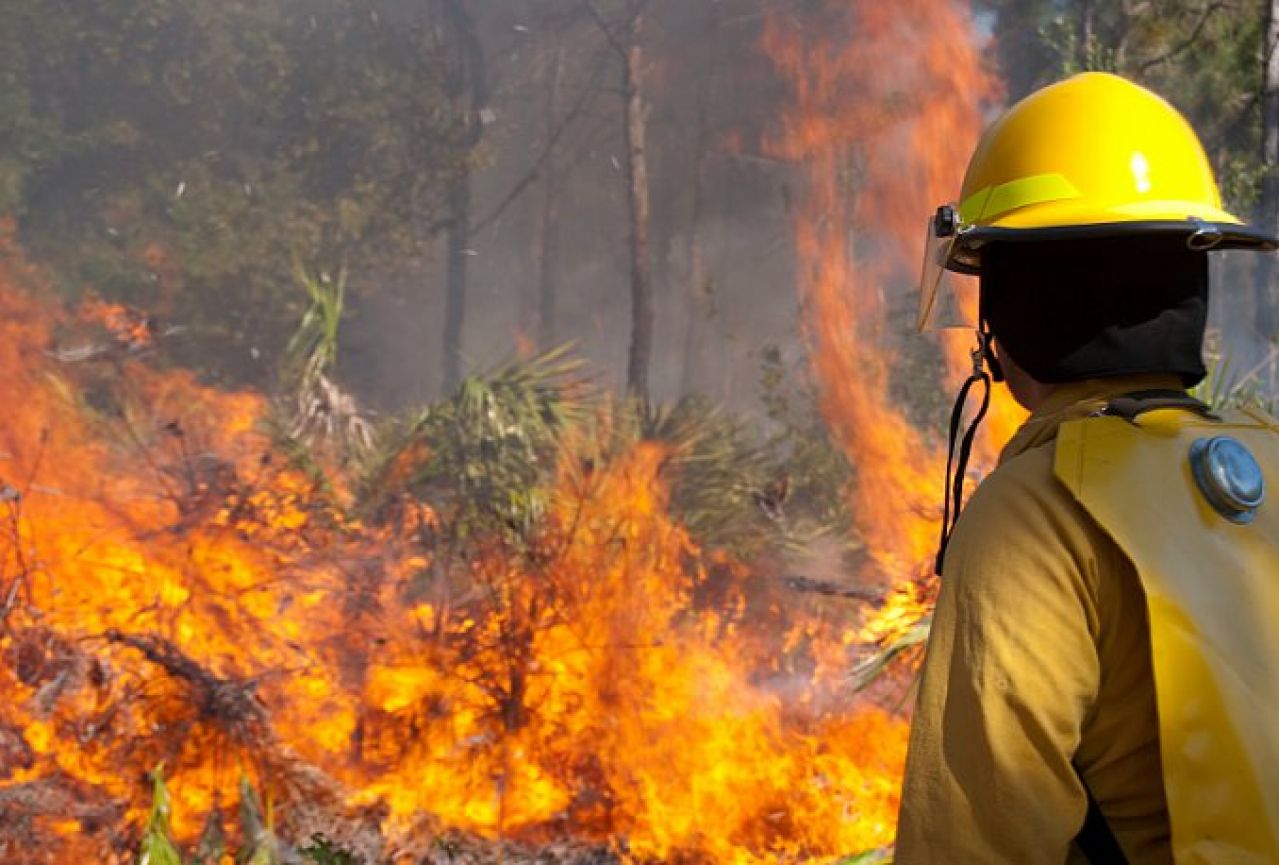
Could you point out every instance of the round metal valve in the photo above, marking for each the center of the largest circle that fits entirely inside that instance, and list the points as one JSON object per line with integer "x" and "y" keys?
{"x": 1229, "y": 477}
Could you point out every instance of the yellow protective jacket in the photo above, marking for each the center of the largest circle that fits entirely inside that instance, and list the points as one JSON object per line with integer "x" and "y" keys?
{"x": 1040, "y": 660}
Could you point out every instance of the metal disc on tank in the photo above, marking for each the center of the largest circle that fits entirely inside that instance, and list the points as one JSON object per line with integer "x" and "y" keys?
{"x": 1229, "y": 477}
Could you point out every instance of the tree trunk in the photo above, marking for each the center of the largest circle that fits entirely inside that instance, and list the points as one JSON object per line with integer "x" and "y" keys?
{"x": 467, "y": 89}
{"x": 696, "y": 288}
{"x": 1269, "y": 218}
{"x": 690, "y": 362}
{"x": 1086, "y": 35}
{"x": 458, "y": 250}
{"x": 548, "y": 222}
{"x": 637, "y": 193}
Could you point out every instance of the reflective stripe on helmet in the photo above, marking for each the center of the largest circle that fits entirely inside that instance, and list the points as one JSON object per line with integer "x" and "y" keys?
{"x": 994, "y": 201}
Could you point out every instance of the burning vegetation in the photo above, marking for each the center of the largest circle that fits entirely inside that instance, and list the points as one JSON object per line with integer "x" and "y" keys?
{"x": 528, "y": 622}
{"x": 493, "y": 625}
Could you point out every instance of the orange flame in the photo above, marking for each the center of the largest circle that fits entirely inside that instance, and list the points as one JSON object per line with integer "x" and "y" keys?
{"x": 172, "y": 592}
{"x": 888, "y": 101}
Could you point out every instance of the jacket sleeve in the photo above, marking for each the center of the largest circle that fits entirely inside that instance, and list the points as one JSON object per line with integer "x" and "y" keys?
{"x": 1010, "y": 674}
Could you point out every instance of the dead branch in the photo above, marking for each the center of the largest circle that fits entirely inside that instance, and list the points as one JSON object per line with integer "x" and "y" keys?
{"x": 535, "y": 170}
{"x": 1186, "y": 44}
{"x": 821, "y": 587}
{"x": 232, "y": 704}
{"x": 59, "y": 796}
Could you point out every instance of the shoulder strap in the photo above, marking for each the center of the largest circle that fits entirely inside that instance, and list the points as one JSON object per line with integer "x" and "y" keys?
{"x": 1096, "y": 840}
{"x": 1131, "y": 406}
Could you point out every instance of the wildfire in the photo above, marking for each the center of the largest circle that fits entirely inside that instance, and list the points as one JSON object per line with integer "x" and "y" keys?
{"x": 175, "y": 595}
{"x": 887, "y": 105}
{"x": 174, "y": 592}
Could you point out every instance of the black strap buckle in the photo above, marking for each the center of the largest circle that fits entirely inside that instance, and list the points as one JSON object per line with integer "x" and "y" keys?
{"x": 1131, "y": 406}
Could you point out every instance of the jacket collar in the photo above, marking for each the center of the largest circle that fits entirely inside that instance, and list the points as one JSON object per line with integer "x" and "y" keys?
{"x": 1079, "y": 399}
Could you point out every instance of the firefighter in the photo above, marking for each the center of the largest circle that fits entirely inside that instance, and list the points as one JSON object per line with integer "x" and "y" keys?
{"x": 1102, "y": 679}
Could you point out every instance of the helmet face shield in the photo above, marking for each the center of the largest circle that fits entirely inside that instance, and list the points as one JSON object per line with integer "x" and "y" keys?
{"x": 946, "y": 299}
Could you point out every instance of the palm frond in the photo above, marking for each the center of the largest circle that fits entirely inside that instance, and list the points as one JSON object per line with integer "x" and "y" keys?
{"x": 261, "y": 845}
{"x": 882, "y": 856}
{"x": 313, "y": 348}
{"x": 317, "y": 412}
{"x": 157, "y": 843}
{"x": 725, "y": 485}
{"x": 870, "y": 669}
{"x": 1227, "y": 386}
{"x": 485, "y": 453}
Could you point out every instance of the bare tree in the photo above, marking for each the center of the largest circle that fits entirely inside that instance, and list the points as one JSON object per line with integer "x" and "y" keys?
{"x": 468, "y": 91}
{"x": 548, "y": 219}
{"x": 624, "y": 37}
{"x": 637, "y": 195}
{"x": 1086, "y": 34}
{"x": 696, "y": 285}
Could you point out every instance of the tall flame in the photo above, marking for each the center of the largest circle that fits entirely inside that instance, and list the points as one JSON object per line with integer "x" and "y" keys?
{"x": 888, "y": 104}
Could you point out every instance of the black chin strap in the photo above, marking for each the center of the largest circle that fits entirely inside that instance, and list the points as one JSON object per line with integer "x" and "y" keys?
{"x": 957, "y": 463}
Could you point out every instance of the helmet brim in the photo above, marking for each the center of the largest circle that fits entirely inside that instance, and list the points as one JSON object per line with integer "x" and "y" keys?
{"x": 965, "y": 255}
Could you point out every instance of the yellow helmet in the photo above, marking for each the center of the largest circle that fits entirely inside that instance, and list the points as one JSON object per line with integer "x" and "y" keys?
{"x": 1094, "y": 155}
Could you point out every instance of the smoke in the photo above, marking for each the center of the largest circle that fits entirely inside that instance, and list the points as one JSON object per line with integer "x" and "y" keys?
{"x": 716, "y": 201}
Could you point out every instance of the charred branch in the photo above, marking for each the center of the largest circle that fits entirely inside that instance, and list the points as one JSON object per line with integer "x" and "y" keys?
{"x": 231, "y": 704}
{"x": 813, "y": 586}
{"x": 58, "y": 796}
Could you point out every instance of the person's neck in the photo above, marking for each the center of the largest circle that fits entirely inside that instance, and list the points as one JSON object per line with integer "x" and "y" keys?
{"x": 1030, "y": 393}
